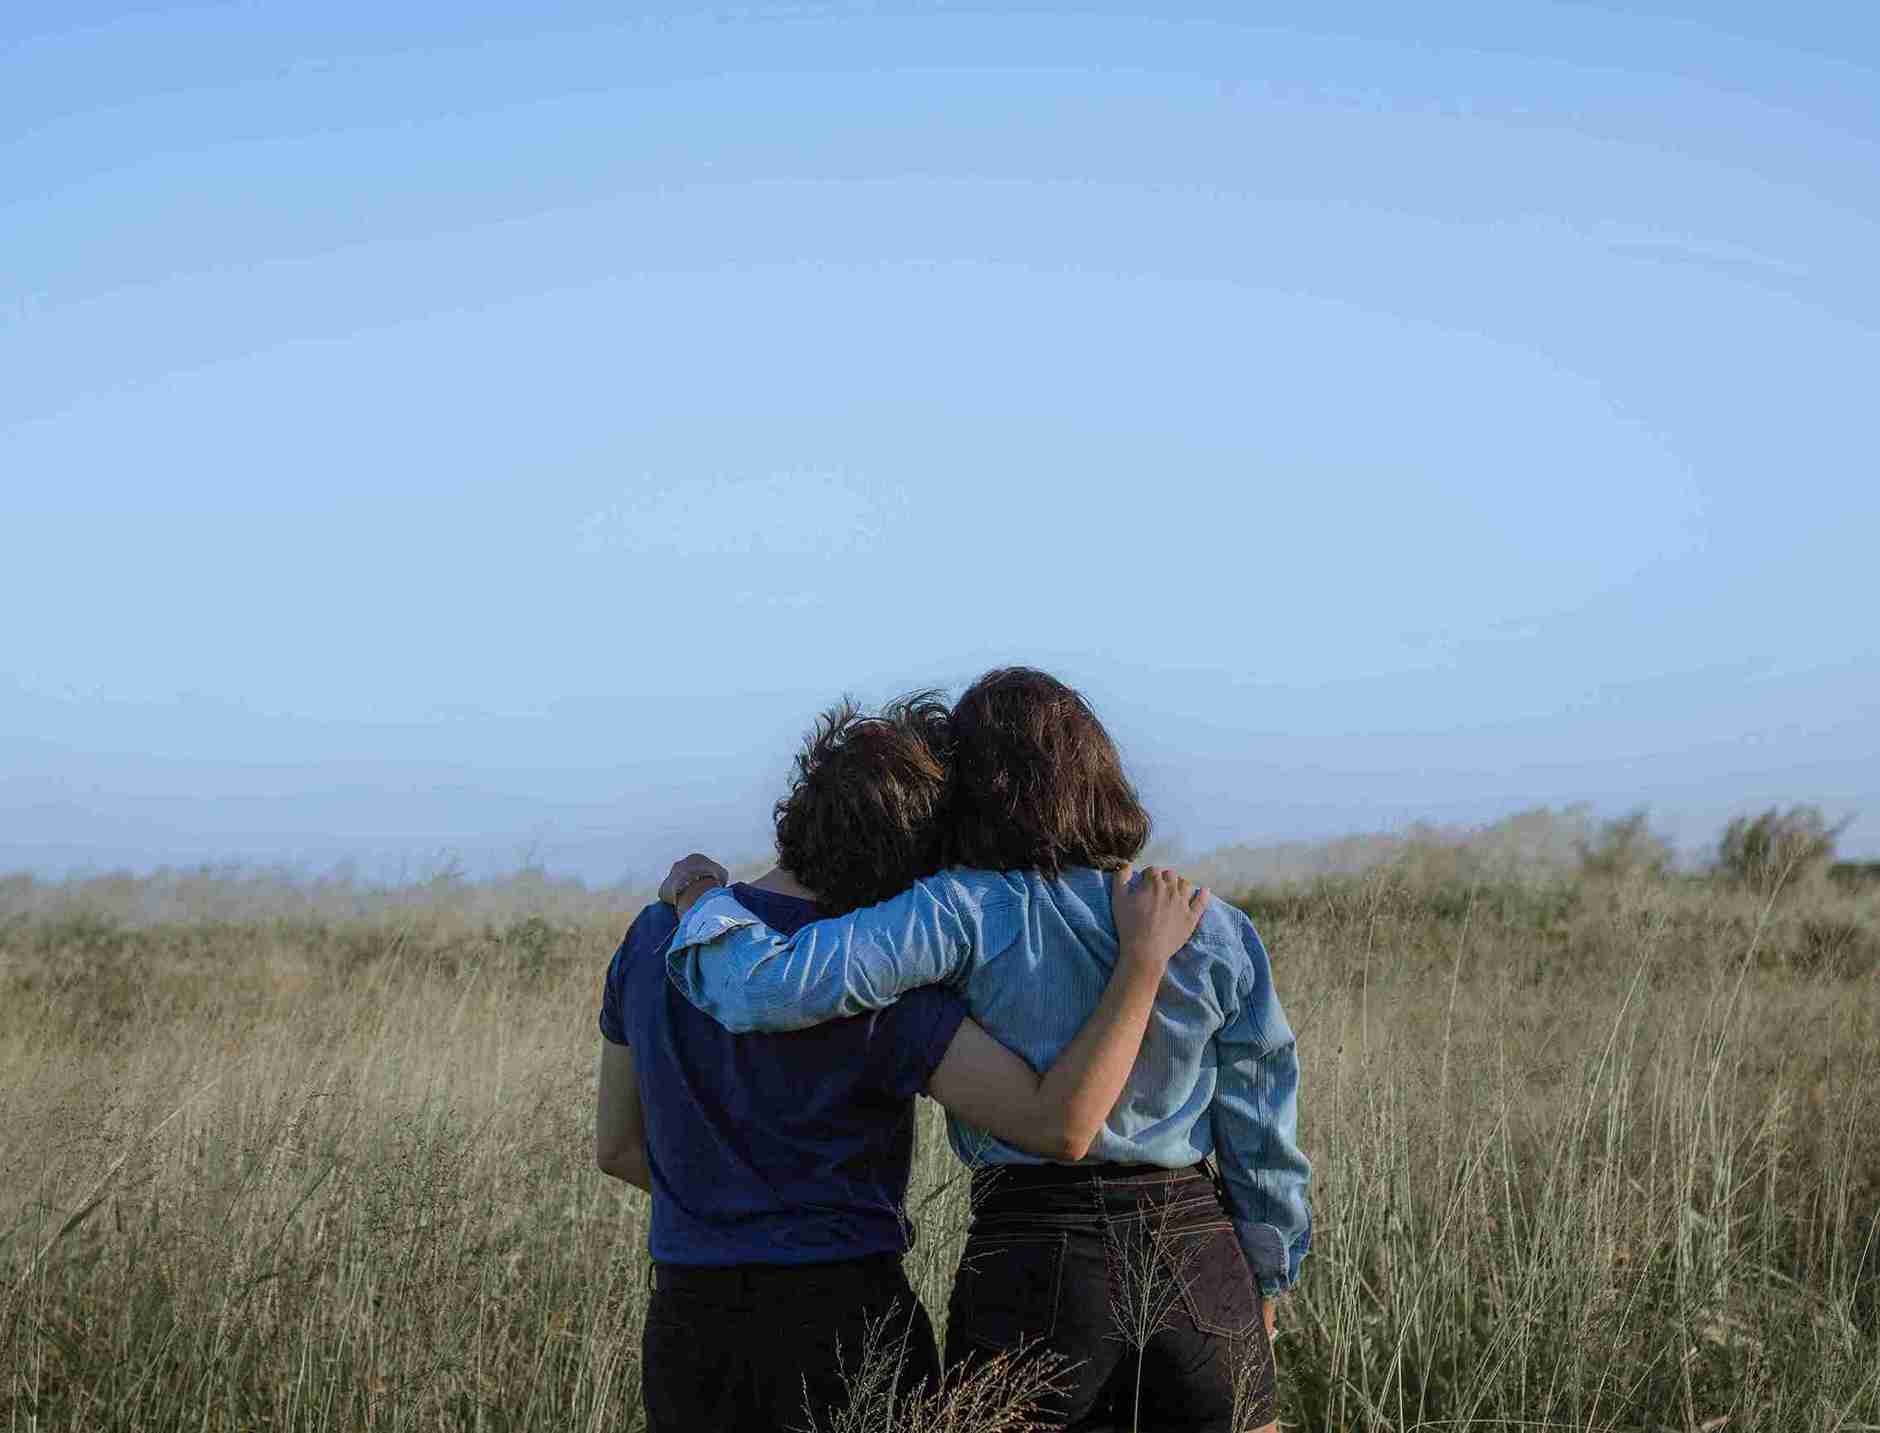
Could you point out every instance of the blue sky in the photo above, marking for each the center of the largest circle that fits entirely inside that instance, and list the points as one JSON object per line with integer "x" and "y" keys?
{"x": 497, "y": 429}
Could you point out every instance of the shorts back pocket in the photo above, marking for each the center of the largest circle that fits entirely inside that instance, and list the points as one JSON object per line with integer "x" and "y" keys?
{"x": 1006, "y": 1291}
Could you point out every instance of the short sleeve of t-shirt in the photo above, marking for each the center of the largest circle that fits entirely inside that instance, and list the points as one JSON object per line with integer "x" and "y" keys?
{"x": 645, "y": 940}
{"x": 911, "y": 1037}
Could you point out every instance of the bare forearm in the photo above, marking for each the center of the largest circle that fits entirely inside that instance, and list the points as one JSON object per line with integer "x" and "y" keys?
{"x": 619, "y": 1119}
{"x": 1085, "y": 1081}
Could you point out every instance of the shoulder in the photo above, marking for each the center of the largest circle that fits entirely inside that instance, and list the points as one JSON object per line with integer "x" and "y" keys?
{"x": 1227, "y": 940}
{"x": 638, "y": 954}
{"x": 648, "y": 936}
{"x": 1227, "y": 933}
{"x": 1227, "y": 928}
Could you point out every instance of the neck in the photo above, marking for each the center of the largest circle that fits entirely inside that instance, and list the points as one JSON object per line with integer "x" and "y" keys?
{"x": 780, "y": 882}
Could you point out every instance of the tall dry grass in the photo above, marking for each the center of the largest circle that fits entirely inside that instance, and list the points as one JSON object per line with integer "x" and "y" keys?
{"x": 1591, "y": 1155}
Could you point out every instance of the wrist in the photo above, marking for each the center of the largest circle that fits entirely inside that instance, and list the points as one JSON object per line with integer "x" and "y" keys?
{"x": 1141, "y": 958}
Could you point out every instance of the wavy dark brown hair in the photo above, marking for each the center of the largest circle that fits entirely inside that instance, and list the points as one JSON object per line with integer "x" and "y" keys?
{"x": 861, "y": 821}
{"x": 1036, "y": 782}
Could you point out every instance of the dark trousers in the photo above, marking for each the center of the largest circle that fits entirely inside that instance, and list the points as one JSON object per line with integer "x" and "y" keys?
{"x": 1133, "y": 1276}
{"x": 759, "y": 1347}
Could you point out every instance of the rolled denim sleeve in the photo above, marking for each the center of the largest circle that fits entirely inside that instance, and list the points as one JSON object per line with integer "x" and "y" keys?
{"x": 1256, "y": 1131}
{"x": 747, "y": 977}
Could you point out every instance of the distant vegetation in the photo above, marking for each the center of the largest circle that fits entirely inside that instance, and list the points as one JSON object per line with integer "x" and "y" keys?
{"x": 1793, "y": 848}
{"x": 237, "y": 893}
{"x": 1625, "y": 847}
{"x": 1852, "y": 875}
{"x": 1777, "y": 847}
{"x": 1597, "y": 1141}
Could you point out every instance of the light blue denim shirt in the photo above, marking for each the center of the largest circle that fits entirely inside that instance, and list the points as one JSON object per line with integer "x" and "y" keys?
{"x": 1218, "y": 1073}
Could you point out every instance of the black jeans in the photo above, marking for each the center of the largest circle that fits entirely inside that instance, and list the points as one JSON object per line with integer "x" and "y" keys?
{"x": 766, "y": 1347}
{"x": 1133, "y": 1275}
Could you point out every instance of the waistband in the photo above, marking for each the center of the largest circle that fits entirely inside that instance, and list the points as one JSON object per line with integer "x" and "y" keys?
{"x": 1030, "y": 1200}
{"x": 720, "y": 1280}
{"x": 989, "y": 1177}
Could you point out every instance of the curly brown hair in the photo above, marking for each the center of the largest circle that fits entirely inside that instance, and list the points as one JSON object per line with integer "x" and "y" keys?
{"x": 1036, "y": 783}
{"x": 861, "y": 821}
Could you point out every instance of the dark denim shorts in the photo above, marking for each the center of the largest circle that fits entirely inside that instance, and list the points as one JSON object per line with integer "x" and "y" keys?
{"x": 1130, "y": 1273}
{"x": 741, "y": 1349}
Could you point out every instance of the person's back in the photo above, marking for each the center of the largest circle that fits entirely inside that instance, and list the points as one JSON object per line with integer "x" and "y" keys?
{"x": 771, "y": 1149}
{"x": 778, "y": 1165}
{"x": 1041, "y": 956}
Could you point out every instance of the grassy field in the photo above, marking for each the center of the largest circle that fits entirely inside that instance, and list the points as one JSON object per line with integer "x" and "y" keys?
{"x": 1590, "y": 1155}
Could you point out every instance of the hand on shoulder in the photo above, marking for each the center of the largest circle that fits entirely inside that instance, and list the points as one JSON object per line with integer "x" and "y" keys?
{"x": 1156, "y": 912}
{"x": 690, "y": 877}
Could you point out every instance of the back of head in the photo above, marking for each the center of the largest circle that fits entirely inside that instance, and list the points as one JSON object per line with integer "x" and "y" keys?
{"x": 1037, "y": 784}
{"x": 861, "y": 821}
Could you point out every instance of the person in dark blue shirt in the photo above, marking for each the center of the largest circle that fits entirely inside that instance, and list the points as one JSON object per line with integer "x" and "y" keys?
{"x": 778, "y": 1164}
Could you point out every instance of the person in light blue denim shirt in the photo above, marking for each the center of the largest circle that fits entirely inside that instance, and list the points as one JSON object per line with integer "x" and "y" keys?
{"x": 1021, "y": 927}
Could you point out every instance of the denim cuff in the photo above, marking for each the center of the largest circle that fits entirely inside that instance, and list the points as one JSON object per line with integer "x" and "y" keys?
{"x": 1265, "y": 1248}
{"x": 716, "y": 913}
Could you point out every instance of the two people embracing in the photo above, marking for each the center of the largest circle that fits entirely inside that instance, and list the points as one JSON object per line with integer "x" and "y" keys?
{"x": 954, "y": 912}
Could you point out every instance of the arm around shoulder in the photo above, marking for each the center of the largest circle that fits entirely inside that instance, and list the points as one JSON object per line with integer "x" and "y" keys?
{"x": 749, "y": 977}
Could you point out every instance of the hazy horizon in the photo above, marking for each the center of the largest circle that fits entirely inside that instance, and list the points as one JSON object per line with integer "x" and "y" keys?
{"x": 400, "y": 817}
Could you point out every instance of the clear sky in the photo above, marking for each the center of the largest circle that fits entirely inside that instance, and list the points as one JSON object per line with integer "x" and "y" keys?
{"x": 496, "y": 429}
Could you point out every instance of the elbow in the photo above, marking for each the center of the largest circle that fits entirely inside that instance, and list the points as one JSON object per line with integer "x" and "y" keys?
{"x": 628, "y": 1170}
{"x": 732, "y": 1010}
{"x": 618, "y": 1162}
{"x": 1067, "y": 1132}
{"x": 1069, "y": 1143}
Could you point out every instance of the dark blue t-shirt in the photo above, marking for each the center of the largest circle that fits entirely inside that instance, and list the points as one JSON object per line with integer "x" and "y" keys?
{"x": 772, "y": 1149}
